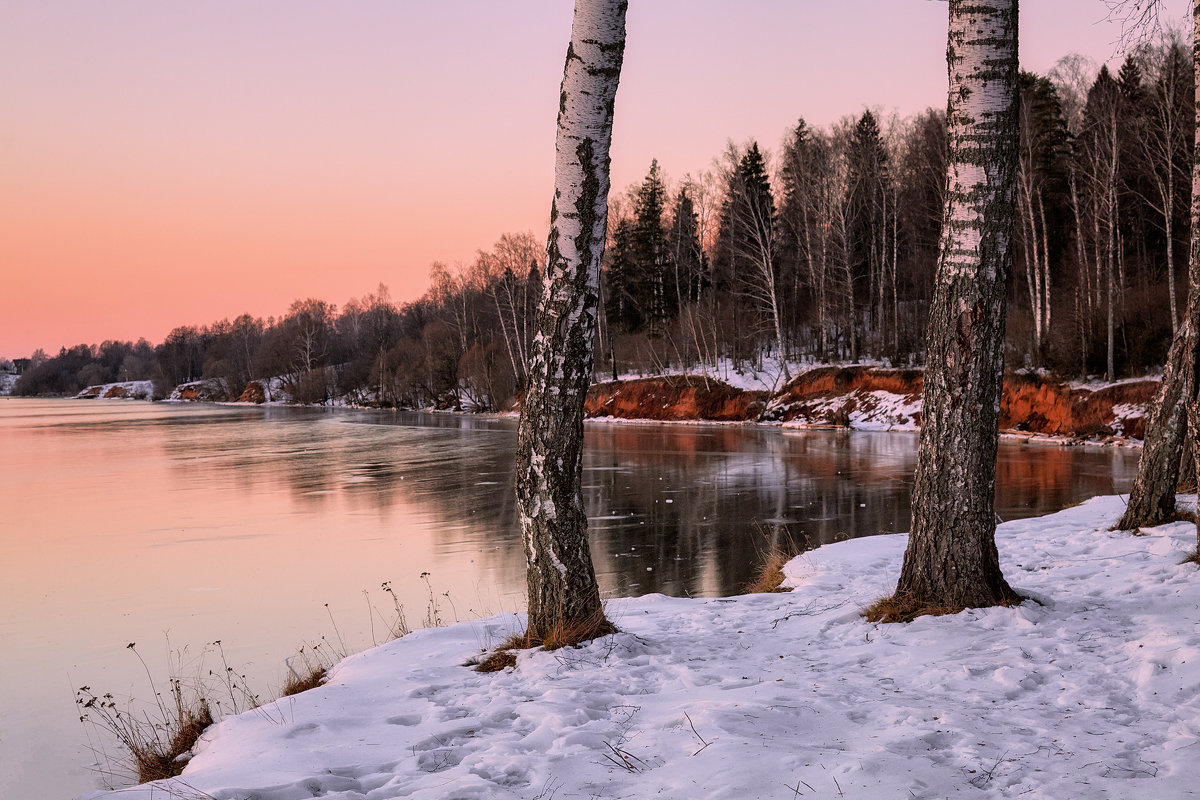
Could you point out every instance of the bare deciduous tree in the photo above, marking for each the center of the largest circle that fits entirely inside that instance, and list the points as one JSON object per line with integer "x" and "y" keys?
{"x": 1175, "y": 408}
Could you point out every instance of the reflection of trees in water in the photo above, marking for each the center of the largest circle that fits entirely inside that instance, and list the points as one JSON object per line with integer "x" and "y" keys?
{"x": 734, "y": 493}
{"x": 1037, "y": 478}
{"x": 694, "y": 504}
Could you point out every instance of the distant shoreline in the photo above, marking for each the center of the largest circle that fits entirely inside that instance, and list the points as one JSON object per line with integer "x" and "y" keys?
{"x": 868, "y": 398}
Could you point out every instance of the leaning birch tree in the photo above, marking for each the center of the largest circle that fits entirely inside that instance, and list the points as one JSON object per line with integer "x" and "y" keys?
{"x": 1152, "y": 498}
{"x": 563, "y": 593}
{"x": 951, "y": 560}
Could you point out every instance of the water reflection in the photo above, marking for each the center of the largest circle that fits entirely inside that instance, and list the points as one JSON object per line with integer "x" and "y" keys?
{"x": 123, "y": 520}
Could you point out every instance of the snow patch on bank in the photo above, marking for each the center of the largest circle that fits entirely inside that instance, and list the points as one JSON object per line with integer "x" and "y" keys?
{"x": 757, "y": 375}
{"x": 1089, "y": 692}
{"x": 862, "y": 410}
{"x": 123, "y": 390}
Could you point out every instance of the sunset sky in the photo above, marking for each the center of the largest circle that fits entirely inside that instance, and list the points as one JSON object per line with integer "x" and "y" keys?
{"x": 166, "y": 162}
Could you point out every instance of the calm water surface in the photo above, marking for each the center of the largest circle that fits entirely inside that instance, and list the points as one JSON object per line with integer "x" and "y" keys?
{"x": 175, "y": 526}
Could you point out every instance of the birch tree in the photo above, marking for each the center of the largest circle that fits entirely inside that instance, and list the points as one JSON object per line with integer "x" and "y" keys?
{"x": 951, "y": 560}
{"x": 1152, "y": 498}
{"x": 563, "y": 594}
{"x": 1164, "y": 147}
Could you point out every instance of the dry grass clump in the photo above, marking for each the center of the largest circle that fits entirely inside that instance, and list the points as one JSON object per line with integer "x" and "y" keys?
{"x": 155, "y": 748}
{"x": 155, "y": 762}
{"x": 905, "y": 608}
{"x": 496, "y": 661}
{"x": 303, "y": 681}
{"x": 777, "y": 548}
{"x": 769, "y": 576}
{"x": 558, "y": 636}
{"x": 1194, "y": 558}
{"x": 309, "y": 668}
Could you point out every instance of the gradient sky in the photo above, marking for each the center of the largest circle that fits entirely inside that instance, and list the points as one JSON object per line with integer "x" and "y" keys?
{"x": 167, "y": 162}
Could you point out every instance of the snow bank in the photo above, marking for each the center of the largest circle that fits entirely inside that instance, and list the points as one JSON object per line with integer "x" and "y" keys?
{"x": 209, "y": 390}
{"x": 123, "y": 390}
{"x": 1090, "y": 692}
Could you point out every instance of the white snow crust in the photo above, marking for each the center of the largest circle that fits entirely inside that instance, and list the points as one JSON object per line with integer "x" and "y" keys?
{"x": 763, "y": 374}
{"x": 129, "y": 390}
{"x": 1087, "y": 691}
{"x": 870, "y": 411}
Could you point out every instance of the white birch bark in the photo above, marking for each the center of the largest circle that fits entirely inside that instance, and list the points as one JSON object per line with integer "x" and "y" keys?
{"x": 563, "y": 592}
{"x": 951, "y": 558}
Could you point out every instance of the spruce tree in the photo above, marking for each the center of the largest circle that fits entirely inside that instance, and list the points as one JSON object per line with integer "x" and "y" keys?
{"x": 868, "y": 178}
{"x": 650, "y": 253}
{"x": 622, "y": 302}
{"x": 686, "y": 256}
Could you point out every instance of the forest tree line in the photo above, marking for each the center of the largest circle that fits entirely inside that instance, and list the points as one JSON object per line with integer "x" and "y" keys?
{"x": 821, "y": 251}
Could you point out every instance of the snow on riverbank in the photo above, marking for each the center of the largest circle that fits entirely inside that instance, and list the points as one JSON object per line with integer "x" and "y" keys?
{"x": 1090, "y": 693}
{"x": 123, "y": 390}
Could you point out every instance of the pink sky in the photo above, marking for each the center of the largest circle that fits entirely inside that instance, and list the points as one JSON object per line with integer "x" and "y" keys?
{"x": 165, "y": 162}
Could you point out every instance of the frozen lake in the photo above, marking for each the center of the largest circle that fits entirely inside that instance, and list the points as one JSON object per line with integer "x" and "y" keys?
{"x": 175, "y": 526}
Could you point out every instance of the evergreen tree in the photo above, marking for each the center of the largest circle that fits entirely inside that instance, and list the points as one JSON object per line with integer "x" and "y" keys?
{"x": 686, "y": 257}
{"x": 622, "y": 300}
{"x": 650, "y": 253}
{"x": 747, "y": 244}
{"x": 799, "y": 244}
{"x": 1042, "y": 184}
{"x": 867, "y": 192}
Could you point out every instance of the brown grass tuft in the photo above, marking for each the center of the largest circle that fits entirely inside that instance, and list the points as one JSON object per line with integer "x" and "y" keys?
{"x": 496, "y": 661}
{"x": 155, "y": 760}
{"x": 769, "y": 575}
{"x": 775, "y": 548}
{"x": 564, "y": 634}
{"x": 311, "y": 678}
{"x": 1193, "y": 558}
{"x": 904, "y": 608}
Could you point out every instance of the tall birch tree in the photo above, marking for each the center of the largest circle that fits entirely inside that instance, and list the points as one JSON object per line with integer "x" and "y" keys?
{"x": 563, "y": 593}
{"x": 1152, "y": 498}
{"x": 951, "y": 560}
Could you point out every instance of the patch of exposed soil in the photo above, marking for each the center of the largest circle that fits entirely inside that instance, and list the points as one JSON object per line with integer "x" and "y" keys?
{"x": 686, "y": 397}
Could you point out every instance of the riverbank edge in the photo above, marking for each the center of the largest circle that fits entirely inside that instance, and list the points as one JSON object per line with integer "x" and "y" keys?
{"x": 854, "y": 397}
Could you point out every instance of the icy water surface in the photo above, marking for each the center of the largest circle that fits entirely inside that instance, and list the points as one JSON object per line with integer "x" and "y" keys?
{"x": 175, "y": 526}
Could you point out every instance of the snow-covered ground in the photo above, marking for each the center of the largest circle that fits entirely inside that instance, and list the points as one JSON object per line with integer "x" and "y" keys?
{"x": 1089, "y": 692}
{"x": 756, "y": 375}
{"x": 7, "y": 381}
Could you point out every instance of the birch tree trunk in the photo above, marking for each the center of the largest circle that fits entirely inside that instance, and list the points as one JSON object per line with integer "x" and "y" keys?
{"x": 563, "y": 593}
{"x": 1152, "y": 498}
{"x": 951, "y": 558}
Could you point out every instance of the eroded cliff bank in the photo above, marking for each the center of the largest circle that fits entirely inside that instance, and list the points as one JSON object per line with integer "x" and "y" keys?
{"x": 867, "y": 398}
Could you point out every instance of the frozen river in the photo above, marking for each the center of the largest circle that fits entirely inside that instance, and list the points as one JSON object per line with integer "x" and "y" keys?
{"x": 175, "y": 526}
